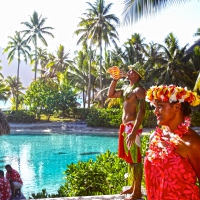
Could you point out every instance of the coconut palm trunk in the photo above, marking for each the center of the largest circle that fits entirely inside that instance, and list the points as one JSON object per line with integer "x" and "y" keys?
{"x": 89, "y": 78}
{"x": 36, "y": 58}
{"x": 101, "y": 84}
{"x": 17, "y": 88}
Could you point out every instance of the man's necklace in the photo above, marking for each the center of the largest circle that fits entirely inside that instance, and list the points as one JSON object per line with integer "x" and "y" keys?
{"x": 159, "y": 151}
{"x": 128, "y": 90}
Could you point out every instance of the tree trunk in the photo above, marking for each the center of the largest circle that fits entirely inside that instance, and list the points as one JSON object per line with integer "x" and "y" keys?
{"x": 89, "y": 78}
{"x": 101, "y": 85}
{"x": 36, "y": 58}
{"x": 17, "y": 93}
{"x": 83, "y": 97}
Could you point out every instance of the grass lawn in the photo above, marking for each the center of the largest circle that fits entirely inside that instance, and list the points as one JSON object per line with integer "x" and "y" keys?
{"x": 44, "y": 118}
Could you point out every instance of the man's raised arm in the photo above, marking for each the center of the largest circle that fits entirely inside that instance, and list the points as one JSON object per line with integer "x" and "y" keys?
{"x": 112, "y": 92}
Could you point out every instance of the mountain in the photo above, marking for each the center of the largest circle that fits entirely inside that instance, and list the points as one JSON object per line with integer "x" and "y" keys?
{"x": 25, "y": 71}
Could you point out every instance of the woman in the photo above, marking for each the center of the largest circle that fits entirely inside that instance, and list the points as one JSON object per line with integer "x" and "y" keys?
{"x": 172, "y": 162}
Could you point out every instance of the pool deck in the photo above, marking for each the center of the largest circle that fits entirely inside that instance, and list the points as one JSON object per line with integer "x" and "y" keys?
{"x": 63, "y": 127}
{"x": 66, "y": 127}
{"x": 106, "y": 197}
{"x": 81, "y": 197}
{"x": 102, "y": 197}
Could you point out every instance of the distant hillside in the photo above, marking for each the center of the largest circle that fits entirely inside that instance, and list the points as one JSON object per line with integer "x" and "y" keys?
{"x": 25, "y": 71}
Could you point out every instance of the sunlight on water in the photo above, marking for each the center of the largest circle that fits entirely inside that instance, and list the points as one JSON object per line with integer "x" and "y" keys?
{"x": 41, "y": 159}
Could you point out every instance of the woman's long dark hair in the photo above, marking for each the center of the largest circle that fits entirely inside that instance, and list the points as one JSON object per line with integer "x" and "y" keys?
{"x": 186, "y": 109}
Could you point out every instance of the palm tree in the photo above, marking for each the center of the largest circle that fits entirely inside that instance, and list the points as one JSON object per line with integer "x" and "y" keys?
{"x": 197, "y": 33}
{"x": 60, "y": 62}
{"x": 41, "y": 58}
{"x": 169, "y": 66}
{"x": 134, "y": 10}
{"x": 4, "y": 91}
{"x": 15, "y": 86}
{"x": 137, "y": 42}
{"x": 78, "y": 73}
{"x": 97, "y": 27}
{"x": 195, "y": 58}
{"x": 36, "y": 30}
{"x": 18, "y": 46}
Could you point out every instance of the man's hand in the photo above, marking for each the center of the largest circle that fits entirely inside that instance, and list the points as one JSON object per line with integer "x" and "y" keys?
{"x": 116, "y": 73}
{"x": 130, "y": 140}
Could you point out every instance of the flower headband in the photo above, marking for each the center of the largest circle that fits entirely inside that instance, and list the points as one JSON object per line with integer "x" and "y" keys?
{"x": 172, "y": 93}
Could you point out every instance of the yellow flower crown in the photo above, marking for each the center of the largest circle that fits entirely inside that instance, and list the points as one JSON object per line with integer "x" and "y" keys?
{"x": 172, "y": 93}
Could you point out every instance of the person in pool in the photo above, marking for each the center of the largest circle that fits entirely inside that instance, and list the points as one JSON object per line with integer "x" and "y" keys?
{"x": 172, "y": 162}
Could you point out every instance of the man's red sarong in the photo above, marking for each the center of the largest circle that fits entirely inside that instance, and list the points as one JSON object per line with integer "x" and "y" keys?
{"x": 133, "y": 155}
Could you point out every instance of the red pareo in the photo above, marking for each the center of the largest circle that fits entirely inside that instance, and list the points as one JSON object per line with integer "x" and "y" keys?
{"x": 5, "y": 190}
{"x": 168, "y": 175}
{"x": 132, "y": 155}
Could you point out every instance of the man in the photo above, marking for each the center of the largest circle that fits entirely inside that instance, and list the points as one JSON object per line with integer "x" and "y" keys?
{"x": 14, "y": 177}
{"x": 129, "y": 134}
{"x": 5, "y": 190}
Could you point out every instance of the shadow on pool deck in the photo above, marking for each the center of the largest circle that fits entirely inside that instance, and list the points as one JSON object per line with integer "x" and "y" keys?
{"x": 103, "y": 197}
{"x": 98, "y": 197}
{"x": 90, "y": 197}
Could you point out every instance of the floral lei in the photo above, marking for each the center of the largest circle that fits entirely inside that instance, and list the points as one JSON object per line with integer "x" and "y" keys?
{"x": 156, "y": 150}
{"x": 172, "y": 93}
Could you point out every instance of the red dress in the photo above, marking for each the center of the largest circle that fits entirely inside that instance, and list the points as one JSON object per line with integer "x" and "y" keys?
{"x": 169, "y": 176}
{"x": 5, "y": 190}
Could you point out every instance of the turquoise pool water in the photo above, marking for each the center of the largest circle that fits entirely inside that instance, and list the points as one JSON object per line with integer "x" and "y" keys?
{"x": 41, "y": 159}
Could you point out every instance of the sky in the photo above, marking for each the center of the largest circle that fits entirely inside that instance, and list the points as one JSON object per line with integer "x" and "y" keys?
{"x": 64, "y": 15}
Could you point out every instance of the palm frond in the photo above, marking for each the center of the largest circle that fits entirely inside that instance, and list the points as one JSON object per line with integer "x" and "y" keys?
{"x": 135, "y": 10}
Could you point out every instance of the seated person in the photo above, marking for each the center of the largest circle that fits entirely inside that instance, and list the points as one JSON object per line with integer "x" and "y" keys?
{"x": 5, "y": 190}
{"x": 14, "y": 177}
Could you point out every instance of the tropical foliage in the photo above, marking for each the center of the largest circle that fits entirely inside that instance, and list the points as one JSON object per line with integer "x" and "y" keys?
{"x": 35, "y": 29}
{"x": 47, "y": 97}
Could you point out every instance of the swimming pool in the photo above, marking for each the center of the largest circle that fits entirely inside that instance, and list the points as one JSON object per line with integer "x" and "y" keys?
{"x": 42, "y": 158}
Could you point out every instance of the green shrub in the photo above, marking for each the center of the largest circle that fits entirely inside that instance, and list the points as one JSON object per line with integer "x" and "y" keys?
{"x": 112, "y": 117}
{"x": 101, "y": 177}
{"x": 195, "y": 118}
{"x": 106, "y": 117}
{"x": 80, "y": 113}
{"x": 20, "y": 116}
